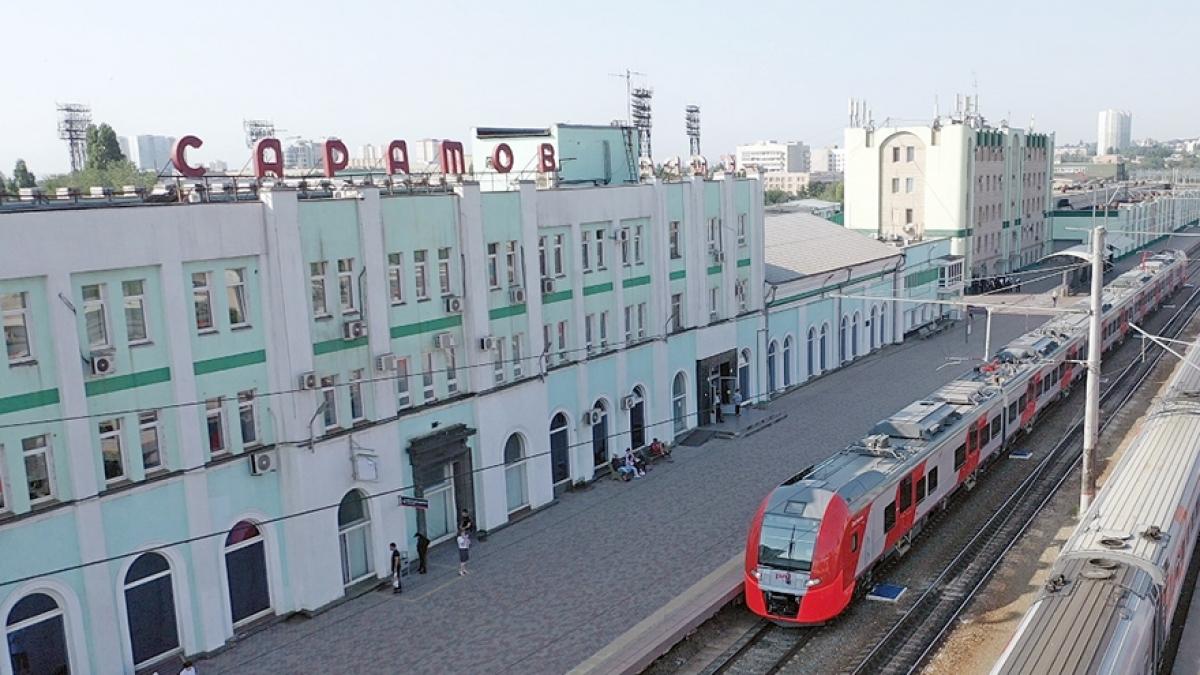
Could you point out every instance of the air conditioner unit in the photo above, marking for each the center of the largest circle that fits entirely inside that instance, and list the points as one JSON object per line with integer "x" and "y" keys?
{"x": 547, "y": 285}
{"x": 487, "y": 343}
{"x": 454, "y": 305}
{"x": 592, "y": 417}
{"x": 627, "y": 402}
{"x": 352, "y": 330}
{"x": 347, "y": 194}
{"x": 516, "y": 295}
{"x": 103, "y": 363}
{"x": 385, "y": 363}
{"x": 621, "y": 235}
{"x": 308, "y": 380}
{"x": 263, "y": 461}
{"x": 443, "y": 341}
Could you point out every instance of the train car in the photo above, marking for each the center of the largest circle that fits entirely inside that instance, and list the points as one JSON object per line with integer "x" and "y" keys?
{"x": 815, "y": 539}
{"x": 1108, "y": 604}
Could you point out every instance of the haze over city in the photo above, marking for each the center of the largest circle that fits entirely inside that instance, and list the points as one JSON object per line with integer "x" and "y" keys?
{"x": 763, "y": 70}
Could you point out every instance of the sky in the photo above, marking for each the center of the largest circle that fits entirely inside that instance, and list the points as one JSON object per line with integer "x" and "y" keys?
{"x": 370, "y": 72}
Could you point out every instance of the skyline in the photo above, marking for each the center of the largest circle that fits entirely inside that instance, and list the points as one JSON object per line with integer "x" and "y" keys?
{"x": 175, "y": 72}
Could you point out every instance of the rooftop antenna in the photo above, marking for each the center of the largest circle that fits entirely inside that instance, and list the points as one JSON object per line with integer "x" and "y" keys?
{"x": 73, "y": 122}
{"x": 628, "y": 77}
{"x": 692, "y": 124}
{"x": 256, "y": 130}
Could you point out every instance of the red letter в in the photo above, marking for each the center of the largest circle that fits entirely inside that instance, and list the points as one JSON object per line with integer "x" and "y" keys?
{"x": 546, "y": 161}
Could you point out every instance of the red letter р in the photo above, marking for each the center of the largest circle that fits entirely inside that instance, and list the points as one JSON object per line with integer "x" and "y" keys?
{"x": 502, "y": 158}
{"x": 179, "y": 157}
{"x": 263, "y": 165}
{"x": 546, "y": 158}
{"x": 337, "y": 157}
{"x": 453, "y": 160}
{"x": 397, "y": 158}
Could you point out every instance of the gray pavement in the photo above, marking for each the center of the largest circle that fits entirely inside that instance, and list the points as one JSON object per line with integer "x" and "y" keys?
{"x": 548, "y": 592}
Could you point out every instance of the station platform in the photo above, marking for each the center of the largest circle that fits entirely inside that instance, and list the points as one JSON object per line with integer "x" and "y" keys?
{"x": 1187, "y": 657}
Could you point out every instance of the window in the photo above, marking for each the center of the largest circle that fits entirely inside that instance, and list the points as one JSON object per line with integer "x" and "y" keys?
{"x": 603, "y": 329}
{"x": 3, "y": 504}
{"x": 150, "y": 440}
{"x": 543, "y": 269}
{"x": 628, "y": 324}
{"x": 510, "y": 263}
{"x": 246, "y": 571}
{"x": 514, "y": 473}
{"x": 895, "y": 185}
{"x": 896, "y": 154}
{"x": 329, "y": 399}
{"x": 150, "y": 604}
{"x": 518, "y": 340}
{"x": 909, "y": 153}
{"x": 679, "y": 402}
{"x": 422, "y": 277}
{"x": 36, "y": 453}
{"x": 403, "y": 400}
{"x": 215, "y": 418}
{"x": 995, "y": 426}
{"x": 908, "y": 216}
{"x": 427, "y": 376}
{"x": 714, "y": 233}
{"x": 346, "y": 285}
{"x": 95, "y": 317}
{"x": 627, "y": 248}
{"x": 933, "y": 477}
{"x": 316, "y": 277}
{"x": 637, "y": 245}
{"x": 135, "y": 311}
{"x": 444, "y": 271}
{"x": 641, "y": 320}
{"x": 354, "y": 537}
{"x": 920, "y": 489}
{"x": 396, "y": 277}
{"x": 905, "y": 493}
{"x": 741, "y": 230}
{"x": 909, "y": 183}
{"x": 451, "y": 372}
{"x": 558, "y": 255}
{"x": 673, "y": 234}
{"x": 588, "y": 320}
{"x": 358, "y": 412}
{"x": 35, "y": 623}
{"x": 585, "y": 248}
{"x": 247, "y": 419}
{"x": 599, "y": 249}
{"x": 889, "y": 517}
{"x": 676, "y": 311}
{"x": 1012, "y": 412}
{"x": 110, "y": 450}
{"x": 498, "y": 374}
{"x": 960, "y": 456}
{"x": 14, "y": 314}
{"x": 714, "y": 299}
{"x": 547, "y": 341}
{"x": 562, "y": 340}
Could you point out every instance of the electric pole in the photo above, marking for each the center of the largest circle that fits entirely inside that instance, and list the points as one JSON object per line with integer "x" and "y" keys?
{"x": 1091, "y": 415}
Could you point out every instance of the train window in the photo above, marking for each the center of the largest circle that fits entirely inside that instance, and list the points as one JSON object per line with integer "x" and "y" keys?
{"x": 1012, "y": 412}
{"x": 995, "y": 426}
{"x": 920, "y": 489}
{"x": 889, "y": 517}
{"x": 854, "y": 542}
{"x": 933, "y": 480}
{"x": 905, "y": 493}
{"x": 1022, "y": 401}
{"x": 960, "y": 457}
{"x": 973, "y": 438}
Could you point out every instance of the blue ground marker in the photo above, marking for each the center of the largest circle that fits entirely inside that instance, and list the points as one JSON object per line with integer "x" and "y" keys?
{"x": 886, "y": 592}
{"x": 1020, "y": 454}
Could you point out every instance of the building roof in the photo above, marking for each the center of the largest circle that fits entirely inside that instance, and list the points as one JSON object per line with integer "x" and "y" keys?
{"x": 801, "y": 244}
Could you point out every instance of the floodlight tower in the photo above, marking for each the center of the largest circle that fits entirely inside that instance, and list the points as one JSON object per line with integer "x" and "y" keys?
{"x": 692, "y": 116}
{"x": 639, "y": 104}
{"x": 73, "y": 122}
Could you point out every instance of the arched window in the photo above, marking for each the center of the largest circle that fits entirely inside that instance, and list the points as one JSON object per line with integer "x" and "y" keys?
{"x": 150, "y": 607}
{"x": 679, "y": 402}
{"x": 882, "y": 324}
{"x": 637, "y": 419}
{"x": 871, "y": 328}
{"x": 514, "y": 473}
{"x": 811, "y": 351}
{"x": 246, "y": 570}
{"x": 854, "y": 322}
{"x": 560, "y": 449}
{"x": 771, "y": 350}
{"x": 744, "y": 375}
{"x": 37, "y": 637}
{"x": 787, "y": 361}
{"x": 600, "y": 433}
{"x": 843, "y": 339}
{"x": 354, "y": 535}
{"x": 824, "y": 345}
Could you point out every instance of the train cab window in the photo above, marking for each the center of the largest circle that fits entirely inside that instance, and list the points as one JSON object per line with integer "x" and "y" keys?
{"x": 933, "y": 480}
{"x": 889, "y": 517}
{"x": 995, "y": 426}
{"x": 920, "y": 489}
{"x": 960, "y": 457}
{"x": 854, "y": 542}
{"x": 787, "y": 542}
{"x": 905, "y": 493}
{"x": 1012, "y": 412}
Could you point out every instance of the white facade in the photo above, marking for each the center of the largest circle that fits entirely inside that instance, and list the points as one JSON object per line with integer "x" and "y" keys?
{"x": 768, "y": 156}
{"x": 301, "y": 154}
{"x": 151, "y": 153}
{"x": 1113, "y": 131}
{"x": 828, "y": 160}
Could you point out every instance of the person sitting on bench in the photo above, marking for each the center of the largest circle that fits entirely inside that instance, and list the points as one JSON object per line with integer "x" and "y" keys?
{"x": 632, "y": 462}
{"x": 658, "y": 449}
{"x": 620, "y": 470}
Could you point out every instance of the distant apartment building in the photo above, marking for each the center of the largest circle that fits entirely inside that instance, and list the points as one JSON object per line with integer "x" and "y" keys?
{"x": 793, "y": 182}
{"x": 987, "y": 188}
{"x": 149, "y": 152}
{"x": 301, "y": 154}
{"x": 769, "y": 156}
{"x": 1113, "y": 131}
{"x": 828, "y": 160}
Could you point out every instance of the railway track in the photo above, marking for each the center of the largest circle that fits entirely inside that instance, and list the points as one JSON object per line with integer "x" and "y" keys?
{"x": 913, "y": 638}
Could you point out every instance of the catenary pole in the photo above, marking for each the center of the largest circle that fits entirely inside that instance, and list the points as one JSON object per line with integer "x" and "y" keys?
{"x": 1091, "y": 417}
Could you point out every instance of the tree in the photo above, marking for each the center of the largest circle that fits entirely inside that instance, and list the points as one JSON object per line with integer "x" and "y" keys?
{"x": 776, "y": 196}
{"x": 103, "y": 149}
{"x": 116, "y": 175}
{"x": 22, "y": 178}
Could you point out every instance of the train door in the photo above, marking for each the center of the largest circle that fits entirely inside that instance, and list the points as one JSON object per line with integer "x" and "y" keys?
{"x": 1029, "y": 409}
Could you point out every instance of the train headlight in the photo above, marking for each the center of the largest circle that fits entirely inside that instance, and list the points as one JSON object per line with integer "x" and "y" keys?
{"x": 812, "y": 581}
{"x": 757, "y": 575}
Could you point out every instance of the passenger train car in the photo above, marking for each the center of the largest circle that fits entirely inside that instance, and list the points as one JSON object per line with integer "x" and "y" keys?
{"x": 1108, "y": 604}
{"x": 816, "y": 538}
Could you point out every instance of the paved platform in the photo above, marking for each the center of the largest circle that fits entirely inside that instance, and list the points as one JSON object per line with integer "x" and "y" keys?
{"x": 1187, "y": 657}
{"x": 603, "y": 579}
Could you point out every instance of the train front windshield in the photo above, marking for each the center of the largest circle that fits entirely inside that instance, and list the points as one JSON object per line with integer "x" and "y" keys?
{"x": 787, "y": 542}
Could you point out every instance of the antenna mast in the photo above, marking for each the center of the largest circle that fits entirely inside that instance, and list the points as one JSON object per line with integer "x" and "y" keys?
{"x": 73, "y": 122}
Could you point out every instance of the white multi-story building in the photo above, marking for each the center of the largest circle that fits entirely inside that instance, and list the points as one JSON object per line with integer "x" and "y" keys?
{"x": 1113, "y": 131}
{"x": 768, "y": 156}
{"x": 301, "y": 154}
{"x": 828, "y": 160}
{"x": 987, "y": 188}
{"x": 149, "y": 152}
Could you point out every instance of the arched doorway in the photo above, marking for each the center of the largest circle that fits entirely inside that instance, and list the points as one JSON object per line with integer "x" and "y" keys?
{"x": 637, "y": 419}
{"x": 150, "y": 608}
{"x": 679, "y": 403}
{"x": 871, "y": 328}
{"x": 824, "y": 346}
{"x": 771, "y": 350}
{"x": 515, "y": 477}
{"x": 787, "y": 361}
{"x": 37, "y": 636}
{"x": 811, "y": 347}
{"x": 560, "y": 449}
{"x": 600, "y": 434}
{"x": 854, "y": 323}
{"x": 246, "y": 571}
{"x": 744, "y": 374}
{"x": 882, "y": 324}
{"x": 843, "y": 340}
{"x": 354, "y": 538}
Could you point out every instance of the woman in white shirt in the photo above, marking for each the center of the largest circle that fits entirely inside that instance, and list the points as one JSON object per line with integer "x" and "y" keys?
{"x": 464, "y": 548}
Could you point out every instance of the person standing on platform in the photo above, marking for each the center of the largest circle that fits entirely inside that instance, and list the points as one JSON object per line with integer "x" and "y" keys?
{"x": 396, "y": 560}
{"x": 422, "y": 551}
{"x": 737, "y": 402}
{"x": 464, "y": 551}
{"x": 465, "y": 523}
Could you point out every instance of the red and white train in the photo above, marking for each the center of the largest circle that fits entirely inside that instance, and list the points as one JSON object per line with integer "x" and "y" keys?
{"x": 816, "y": 539}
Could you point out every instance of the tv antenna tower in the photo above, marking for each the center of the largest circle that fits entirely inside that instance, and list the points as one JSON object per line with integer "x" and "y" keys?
{"x": 628, "y": 77}
{"x": 639, "y": 105}
{"x": 256, "y": 130}
{"x": 692, "y": 116}
{"x": 73, "y": 122}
